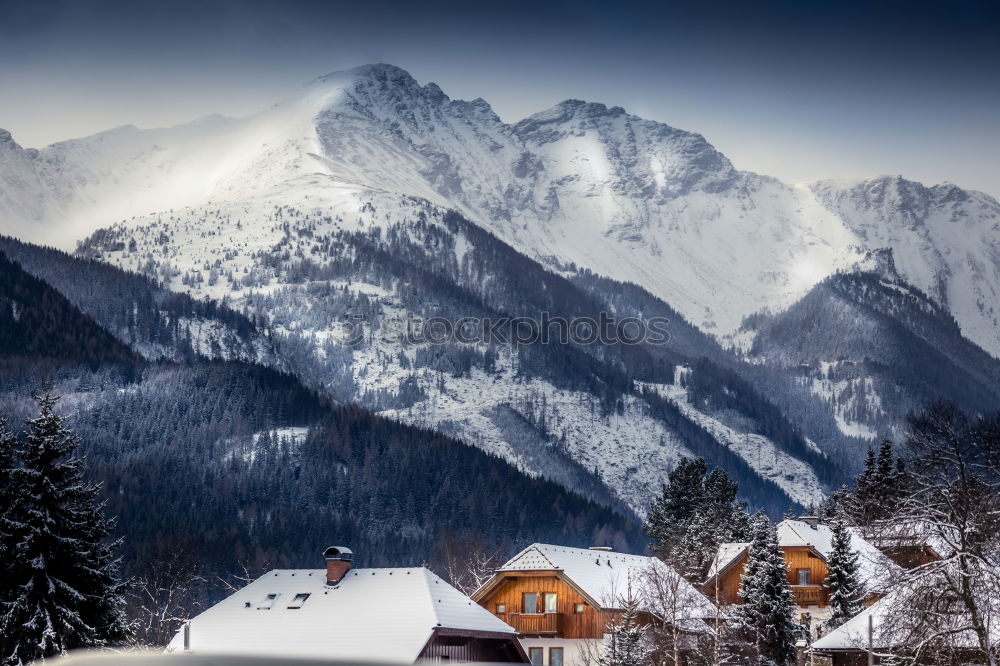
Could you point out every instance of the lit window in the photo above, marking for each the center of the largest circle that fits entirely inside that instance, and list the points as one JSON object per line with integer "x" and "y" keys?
{"x": 501, "y": 609}
{"x": 555, "y": 657}
{"x": 530, "y": 603}
{"x": 299, "y": 600}
{"x": 578, "y": 608}
{"x": 537, "y": 656}
{"x": 268, "y": 602}
{"x": 550, "y": 602}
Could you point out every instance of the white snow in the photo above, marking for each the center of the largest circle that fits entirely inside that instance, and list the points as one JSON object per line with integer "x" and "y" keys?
{"x": 844, "y": 396}
{"x": 346, "y": 622}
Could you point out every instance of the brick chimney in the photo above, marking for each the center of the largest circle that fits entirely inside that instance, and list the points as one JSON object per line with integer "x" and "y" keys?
{"x": 338, "y": 563}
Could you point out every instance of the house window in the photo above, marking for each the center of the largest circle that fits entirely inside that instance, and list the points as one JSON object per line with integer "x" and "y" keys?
{"x": 299, "y": 600}
{"x": 550, "y": 602}
{"x": 530, "y": 603}
{"x": 805, "y": 577}
{"x": 537, "y": 656}
{"x": 555, "y": 657}
{"x": 578, "y": 608}
{"x": 501, "y": 609}
{"x": 267, "y": 602}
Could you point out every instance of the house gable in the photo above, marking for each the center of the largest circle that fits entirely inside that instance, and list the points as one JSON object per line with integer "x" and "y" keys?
{"x": 577, "y": 615}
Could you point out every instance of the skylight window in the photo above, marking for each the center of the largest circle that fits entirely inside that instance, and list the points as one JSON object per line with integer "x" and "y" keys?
{"x": 268, "y": 602}
{"x": 299, "y": 600}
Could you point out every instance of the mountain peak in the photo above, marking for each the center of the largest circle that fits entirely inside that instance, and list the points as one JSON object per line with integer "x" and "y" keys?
{"x": 381, "y": 71}
{"x": 7, "y": 141}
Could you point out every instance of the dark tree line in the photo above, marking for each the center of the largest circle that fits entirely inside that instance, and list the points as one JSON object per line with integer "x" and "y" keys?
{"x": 134, "y": 308}
{"x": 37, "y": 322}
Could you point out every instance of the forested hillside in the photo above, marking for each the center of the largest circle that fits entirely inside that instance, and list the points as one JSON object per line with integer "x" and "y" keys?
{"x": 38, "y": 324}
{"x": 156, "y": 322}
{"x": 237, "y": 463}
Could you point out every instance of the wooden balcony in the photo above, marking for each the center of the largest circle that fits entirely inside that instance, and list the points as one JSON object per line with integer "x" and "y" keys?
{"x": 534, "y": 624}
{"x": 809, "y": 595}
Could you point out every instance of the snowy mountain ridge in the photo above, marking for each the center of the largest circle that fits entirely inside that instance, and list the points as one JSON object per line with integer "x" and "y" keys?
{"x": 580, "y": 184}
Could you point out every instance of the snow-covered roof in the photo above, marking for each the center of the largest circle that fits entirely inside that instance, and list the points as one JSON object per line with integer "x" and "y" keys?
{"x": 727, "y": 553}
{"x": 372, "y": 614}
{"x": 603, "y": 575}
{"x": 875, "y": 568}
{"x": 895, "y": 533}
{"x": 895, "y": 623}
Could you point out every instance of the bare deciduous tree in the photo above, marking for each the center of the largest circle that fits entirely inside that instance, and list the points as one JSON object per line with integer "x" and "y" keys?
{"x": 950, "y": 607}
{"x": 161, "y": 599}
{"x": 467, "y": 562}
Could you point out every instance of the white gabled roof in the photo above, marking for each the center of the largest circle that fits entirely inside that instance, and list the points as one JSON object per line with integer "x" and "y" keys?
{"x": 876, "y": 570}
{"x": 373, "y": 615}
{"x": 602, "y": 575}
{"x": 727, "y": 553}
{"x": 894, "y": 624}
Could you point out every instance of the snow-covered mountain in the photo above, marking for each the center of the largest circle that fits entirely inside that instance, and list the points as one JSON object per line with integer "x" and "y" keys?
{"x": 578, "y": 184}
{"x": 944, "y": 240}
{"x": 338, "y": 202}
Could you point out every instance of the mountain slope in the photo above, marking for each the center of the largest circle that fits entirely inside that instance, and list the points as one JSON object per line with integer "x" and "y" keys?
{"x": 876, "y": 348}
{"x": 334, "y": 294}
{"x": 233, "y": 462}
{"x": 156, "y": 322}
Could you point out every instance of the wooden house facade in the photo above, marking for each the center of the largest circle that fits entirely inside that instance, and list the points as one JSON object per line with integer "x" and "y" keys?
{"x": 561, "y": 600}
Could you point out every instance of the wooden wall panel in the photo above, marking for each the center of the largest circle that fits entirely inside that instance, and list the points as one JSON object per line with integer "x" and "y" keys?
{"x": 591, "y": 623}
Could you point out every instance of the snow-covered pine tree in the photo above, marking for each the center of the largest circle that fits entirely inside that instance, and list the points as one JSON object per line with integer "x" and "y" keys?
{"x": 625, "y": 641}
{"x": 62, "y": 572}
{"x": 766, "y": 616}
{"x": 8, "y": 455}
{"x": 866, "y": 486}
{"x": 842, "y": 580}
{"x": 8, "y": 451}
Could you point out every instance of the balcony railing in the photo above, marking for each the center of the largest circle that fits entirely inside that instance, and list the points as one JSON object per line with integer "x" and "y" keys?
{"x": 533, "y": 623}
{"x": 809, "y": 595}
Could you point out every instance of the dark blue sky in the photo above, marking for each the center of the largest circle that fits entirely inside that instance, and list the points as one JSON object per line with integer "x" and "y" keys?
{"x": 799, "y": 90}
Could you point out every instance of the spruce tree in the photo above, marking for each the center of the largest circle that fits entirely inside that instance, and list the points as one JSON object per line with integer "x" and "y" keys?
{"x": 8, "y": 452}
{"x": 625, "y": 642}
{"x": 8, "y": 455}
{"x": 766, "y": 616}
{"x": 695, "y": 512}
{"x": 62, "y": 571}
{"x": 842, "y": 578}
